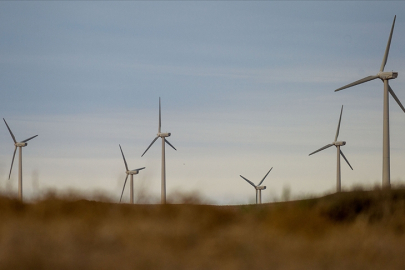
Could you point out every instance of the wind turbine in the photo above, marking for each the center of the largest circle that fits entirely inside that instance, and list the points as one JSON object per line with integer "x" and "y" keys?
{"x": 338, "y": 144}
{"x": 163, "y": 173}
{"x": 20, "y": 145}
{"x": 258, "y": 188}
{"x": 131, "y": 173}
{"x": 384, "y": 76}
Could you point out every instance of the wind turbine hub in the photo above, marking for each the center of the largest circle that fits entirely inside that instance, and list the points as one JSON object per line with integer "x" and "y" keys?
{"x": 21, "y": 144}
{"x": 162, "y": 135}
{"x": 339, "y": 143}
{"x": 388, "y": 75}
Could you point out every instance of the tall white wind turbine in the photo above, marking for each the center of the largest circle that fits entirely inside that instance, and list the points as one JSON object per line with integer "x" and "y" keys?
{"x": 258, "y": 188}
{"x": 163, "y": 173}
{"x": 131, "y": 173}
{"x": 338, "y": 144}
{"x": 20, "y": 145}
{"x": 385, "y": 76}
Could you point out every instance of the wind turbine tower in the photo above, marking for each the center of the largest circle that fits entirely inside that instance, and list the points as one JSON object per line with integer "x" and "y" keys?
{"x": 131, "y": 173}
{"x": 385, "y": 76}
{"x": 338, "y": 144}
{"x": 258, "y": 188}
{"x": 20, "y": 145}
{"x": 164, "y": 140}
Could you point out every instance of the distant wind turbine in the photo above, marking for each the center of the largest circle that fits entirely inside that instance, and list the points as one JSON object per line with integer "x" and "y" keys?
{"x": 339, "y": 153}
{"x": 20, "y": 145}
{"x": 384, "y": 76}
{"x": 131, "y": 173}
{"x": 163, "y": 173}
{"x": 258, "y": 188}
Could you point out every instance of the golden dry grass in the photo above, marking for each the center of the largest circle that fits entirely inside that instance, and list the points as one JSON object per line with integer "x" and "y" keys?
{"x": 350, "y": 230}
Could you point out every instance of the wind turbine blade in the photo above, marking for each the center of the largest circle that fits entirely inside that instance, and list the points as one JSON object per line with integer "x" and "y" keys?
{"x": 338, "y": 128}
{"x": 387, "y": 49}
{"x": 366, "y": 79}
{"x": 12, "y": 162}
{"x": 170, "y": 144}
{"x": 123, "y": 187}
{"x": 160, "y": 116}
{"x": 29, "y": 138}
{"x": 346, "y": 159}
{"x": 248, "y": 181}
{"x": 265, "y": 176}
{"x": 150, "y": 145}
{"x": 11, "y": 133}
{"x": 395, "y": 97}
{"x": 139, "y": 169}
{"x": 320, "y": 149}
{"x": 125, "y": 162}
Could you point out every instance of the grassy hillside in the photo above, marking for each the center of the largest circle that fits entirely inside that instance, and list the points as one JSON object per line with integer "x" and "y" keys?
{"x": 350, "y": 230}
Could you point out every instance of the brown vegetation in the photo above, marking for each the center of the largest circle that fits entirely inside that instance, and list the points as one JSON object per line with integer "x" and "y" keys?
{"x": 350, "y": 230}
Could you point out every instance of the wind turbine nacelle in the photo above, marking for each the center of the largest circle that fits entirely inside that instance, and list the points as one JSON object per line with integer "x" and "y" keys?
{"x": 388, "y": 75}
{"x": 260, "y": 187}
{"x": 132, "y": 172}
{"x": 340, "y": 143}
{"x": 164, "y": 134}
{"x": 21, "y": 144}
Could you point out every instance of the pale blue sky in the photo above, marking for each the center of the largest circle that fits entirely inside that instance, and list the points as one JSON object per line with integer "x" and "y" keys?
{"x": 245, "y": 86}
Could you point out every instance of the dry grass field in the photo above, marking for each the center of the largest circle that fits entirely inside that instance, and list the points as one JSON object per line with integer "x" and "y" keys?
{"x": 350, "y": 230}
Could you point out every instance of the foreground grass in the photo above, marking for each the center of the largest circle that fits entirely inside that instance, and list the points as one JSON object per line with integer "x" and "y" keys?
{"x": 353, "y": 230}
